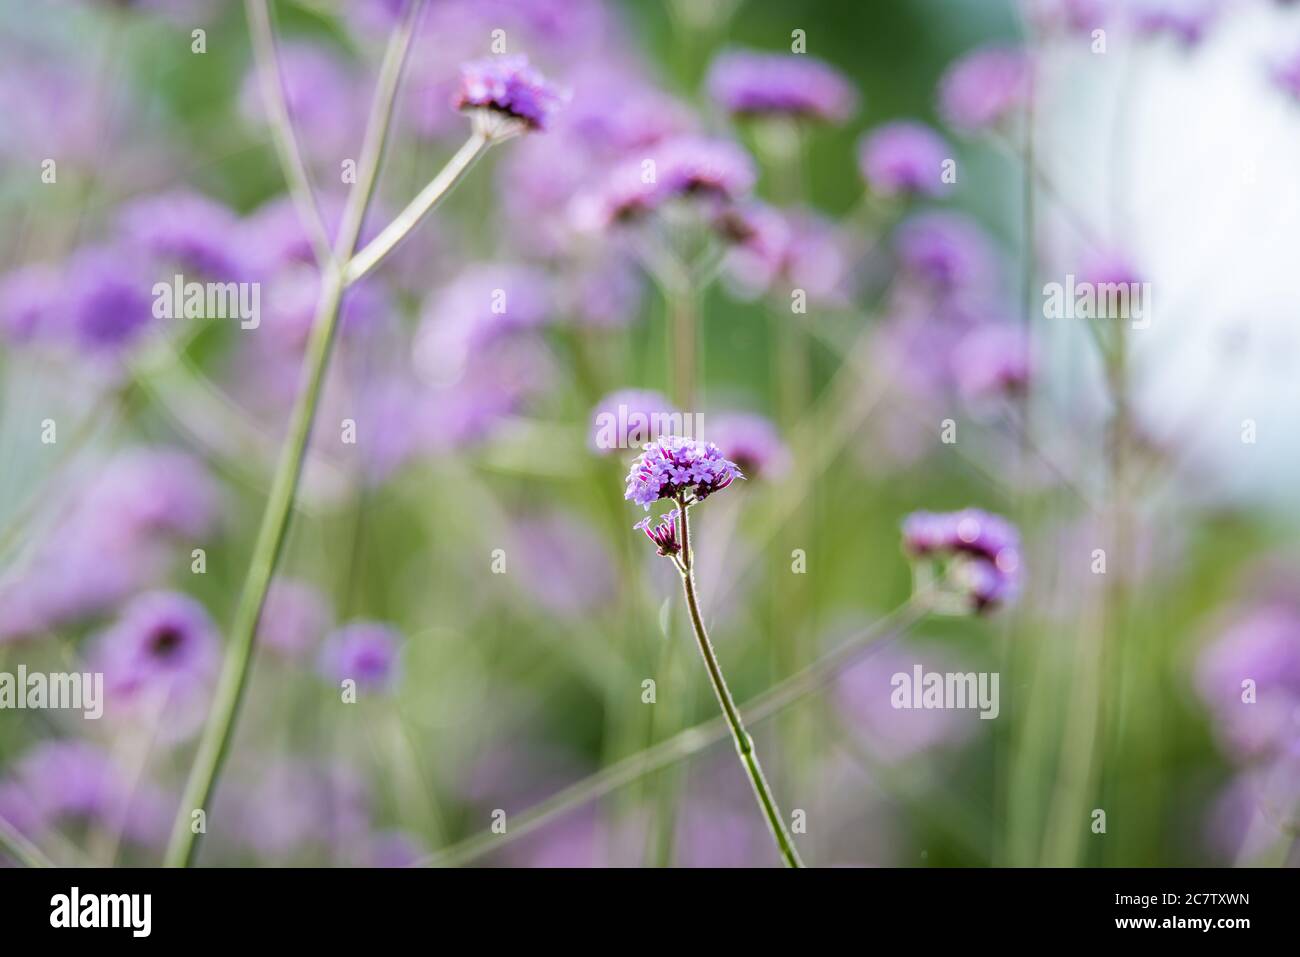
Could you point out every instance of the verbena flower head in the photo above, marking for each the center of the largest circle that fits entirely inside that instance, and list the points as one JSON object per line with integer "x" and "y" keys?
{"x": 674, "y": 467}
{"x": 363, "y": 651}
{"x": 506, "y": 88}
{"x": 109, "y": 302}
{"x": 980, "y": 552}
{"x": 752, "y": 442}
{"x": 780, "y": 84}
{"x": 188, "y": 230}
{"x": 904, "y": 159}
{"x": 948, "y": 251}
{"x": 983, "y": 88}
{"x": 993, "y": 359}
{"x": 665, "y": 534}
{"x": 164, "y": 642}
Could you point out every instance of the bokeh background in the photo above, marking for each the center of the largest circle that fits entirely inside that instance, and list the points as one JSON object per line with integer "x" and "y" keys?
{"x": 469, "y": 559}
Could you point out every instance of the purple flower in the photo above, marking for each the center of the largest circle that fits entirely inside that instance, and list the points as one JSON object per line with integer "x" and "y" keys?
{"x": 674, "y": 466}
{"x": 155, "y": 492}
{"x": 629, "y": 418}
{"x": 509, "y": 86}
{"x": 567, "y": 568}
{"x": 984, "y": 87}
{"x": 686, "y": 167}
{"x": 1187, "y": 21}
{"x": 752, "y": 442}
{"x": 186, "y": 229}
{"x": 29, "y": 301}
{"x": 664, "y": 534}
{"x": 778, "y": 251}
{"x": 779, "y": 84}
{"x": 164, "y": 643}
{"x": 1286, "y": 74}
{"x": 986, "y": 548}
{"x": 109, "y": 297}
{"x": 75, "y": 781}
{"x": 992, "y": 360}
{"x": 1261, "y": 645}
{"x": 363, "y": 651}
{"x": 904, "y": 158}
{"x": 294, "y": 617}
{"x": 947, "y": 250}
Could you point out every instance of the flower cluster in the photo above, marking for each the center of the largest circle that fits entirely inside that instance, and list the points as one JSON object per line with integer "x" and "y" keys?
{"x": 983, "y": 88}
{"x": 778, "y": 84}
{"x": 665, "y": 534}
{"x": 509, "y": 86}
{"x": 983, "y": 551}
{"x": 904, "y": 159}
{"x": 674, "y": 467}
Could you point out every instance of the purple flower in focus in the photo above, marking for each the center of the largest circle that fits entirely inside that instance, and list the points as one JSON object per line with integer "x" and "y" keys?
{"x": 992, "y": 360}
{"x": 984, "y": 87}
{"x": 904, "y": 158}
{"x": 674, "y": 466}
{"x": 664, "y": 533}
{"x": 294, "y": 618}
{"x": 629, "y": 418}
{"x": 947, "y": 250}
{"x": 752, "y": 442}
{"x": 510, "y": 87}
{"x": 186, "y": 229}
{"x": 986, "y": 548}
{"x": 779, "y": 84}
{"x": 362, "y": 651}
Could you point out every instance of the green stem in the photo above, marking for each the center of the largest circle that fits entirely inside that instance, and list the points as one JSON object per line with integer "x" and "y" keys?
{"x": 13, "y": 843}
{"x": 219, "y": 730}
{"x": 744, "y": 743}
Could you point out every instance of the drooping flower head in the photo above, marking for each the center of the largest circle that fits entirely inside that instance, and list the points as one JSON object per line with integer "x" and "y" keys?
{"x": 980, "y": 552}
{"x": 904, "y": 158}
{"x": 664, "y": 533}
{"x": 984, "y": 87}
{"x": 674, "y": 467}
{"x": 509, "y": 88}
{"x": 780, "y": 84}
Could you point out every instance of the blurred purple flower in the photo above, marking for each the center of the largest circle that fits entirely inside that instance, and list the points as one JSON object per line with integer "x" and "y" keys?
{"x": 155, "y": 491}
{"x": 984, "y": 87}
{"x": 673, "y": 466}
{"x": 752, "y": 442}
{"x": 567, "y": 568}
{"x": 992, "y": 360}
{"x": 1260, "y": 645}
{"x": 163, "y": 645}
{"x": 188, "y": 230}
{"x": 1186, "y": 21}
{"x": 780, "y": 251}
{"x": 362, "y": 651}
{"x": 904, "y": 158}
{"x": 987, "y": 545}
{"x": 628, "y": 419}
{"x": 509, "y": 86}
{"x": 30, "y": 298}
{"x": 109, "y": 301}
{"x": 749, "y": 83}
{"x": 949, "y": 251}
{"x": 294, "y": 618}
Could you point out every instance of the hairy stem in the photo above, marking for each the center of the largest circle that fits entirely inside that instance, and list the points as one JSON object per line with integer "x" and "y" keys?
{"x": 744, "y": 743}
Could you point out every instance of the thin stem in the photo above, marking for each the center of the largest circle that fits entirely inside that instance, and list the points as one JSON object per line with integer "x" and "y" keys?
{"x": 219, "y": 730}
{"x": 744, "y": 743}
{"x": 286, "y": 144}
{"x": 383, "y": 244}
{"x": 686, "y": 743}
{"x": 13, "y": 843}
